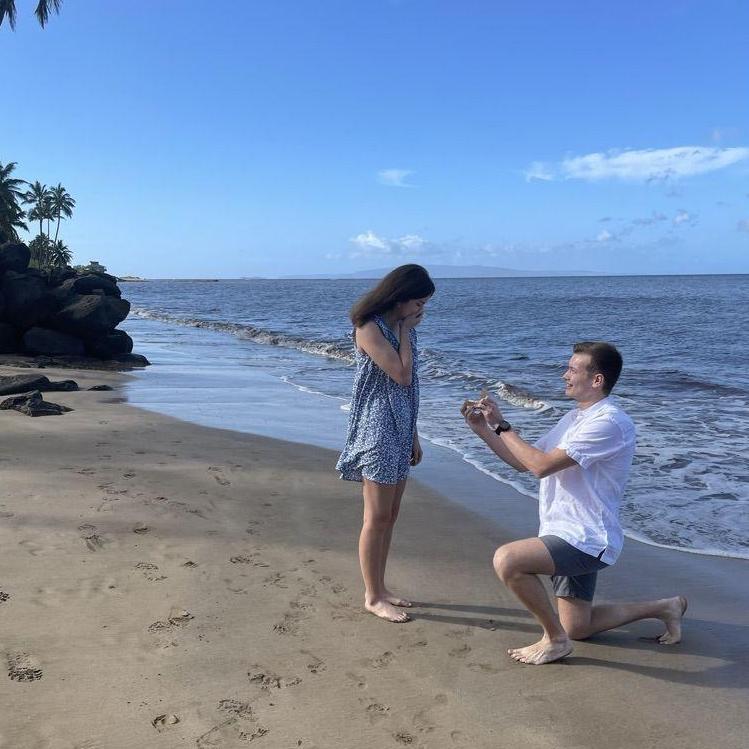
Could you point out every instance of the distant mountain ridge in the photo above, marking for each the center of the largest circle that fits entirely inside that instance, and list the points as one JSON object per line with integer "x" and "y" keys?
{"x": 453, "y": 271}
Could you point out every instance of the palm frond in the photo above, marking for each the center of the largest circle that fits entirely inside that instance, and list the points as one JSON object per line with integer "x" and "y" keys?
{"x": 43, "y": 9}
{"x": 8, "y": 8}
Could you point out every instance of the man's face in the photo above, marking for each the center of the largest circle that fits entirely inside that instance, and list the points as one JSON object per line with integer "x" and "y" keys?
{"x": 579, "y": 379}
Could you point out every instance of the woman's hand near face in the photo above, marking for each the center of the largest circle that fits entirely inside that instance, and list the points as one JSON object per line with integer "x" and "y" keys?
{"x": 411, "y": 321}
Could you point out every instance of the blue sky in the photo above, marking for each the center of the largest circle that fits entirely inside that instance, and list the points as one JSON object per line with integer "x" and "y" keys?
{"x": 236, "y": 139}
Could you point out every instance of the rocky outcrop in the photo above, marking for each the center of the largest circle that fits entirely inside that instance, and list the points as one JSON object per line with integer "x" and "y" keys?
{"x": 32, "y": 404}
{"x": 61, "y": 314}
{"x": 52, "y": 342}
{"x": 13, "y": 384}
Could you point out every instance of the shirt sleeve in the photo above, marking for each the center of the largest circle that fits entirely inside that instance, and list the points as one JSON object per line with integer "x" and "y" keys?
{"x": 542, "y": 443}
{"x": 598, "y": 440}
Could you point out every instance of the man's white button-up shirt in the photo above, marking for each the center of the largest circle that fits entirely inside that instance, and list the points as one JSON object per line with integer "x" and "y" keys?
{"x": 581, "y": 504}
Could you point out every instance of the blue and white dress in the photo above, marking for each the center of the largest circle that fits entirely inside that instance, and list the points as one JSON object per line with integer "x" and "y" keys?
{"x": 382, "y": 421}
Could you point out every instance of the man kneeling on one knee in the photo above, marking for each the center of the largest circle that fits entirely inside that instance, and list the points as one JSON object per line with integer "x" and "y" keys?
{"x": 583, "y": 463}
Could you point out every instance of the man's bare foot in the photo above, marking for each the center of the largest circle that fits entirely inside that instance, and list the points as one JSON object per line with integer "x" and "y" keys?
{"x": 386, "y": 610}
{"x": 543, "y": 651}
{"x": 672, "y": 616}
{"x": 397, "y": 600}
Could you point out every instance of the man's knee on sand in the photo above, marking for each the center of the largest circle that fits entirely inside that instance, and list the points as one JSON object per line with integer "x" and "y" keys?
{"x": 508, "y": 562}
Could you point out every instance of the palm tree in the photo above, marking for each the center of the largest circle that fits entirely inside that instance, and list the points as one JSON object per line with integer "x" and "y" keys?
{"x": 60, "y": 255}
{"x": 11, "y": 214}
{"x": 41, "y": 252}
{"x": 37, "y": 196}
{"x": 8, "y": 8}
{"x": 62, "y": 205}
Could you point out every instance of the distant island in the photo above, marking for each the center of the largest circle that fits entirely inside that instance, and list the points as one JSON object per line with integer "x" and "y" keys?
{"x": 453, "y": 271}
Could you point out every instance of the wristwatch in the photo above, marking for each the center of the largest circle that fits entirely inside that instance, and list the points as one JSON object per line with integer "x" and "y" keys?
{"x": 503, "y": 426}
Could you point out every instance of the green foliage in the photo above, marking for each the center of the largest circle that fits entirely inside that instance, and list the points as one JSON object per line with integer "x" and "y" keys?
{"x": 8, "y": 9}
{"x": 11, "y": 196}
{"x": 94, "y": 266}
{"x": 41, "y": 252}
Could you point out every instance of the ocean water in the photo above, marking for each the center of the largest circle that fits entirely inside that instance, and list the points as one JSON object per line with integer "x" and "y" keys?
{"x": 685, "y": 381}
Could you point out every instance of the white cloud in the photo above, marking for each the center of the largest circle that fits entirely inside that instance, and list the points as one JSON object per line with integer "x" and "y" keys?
{"x": 538, "y": 170}
{"x": 369, "y": 244}
{"x": 369, "y": 241}
{"x": 640, "y": 166}
{"x": 654, "y": 218}
{"x": 681, "y": 217}
{"x": 394, "y": 177}
{"x": 604, "y": 236}
{"x": 743, "y": 225}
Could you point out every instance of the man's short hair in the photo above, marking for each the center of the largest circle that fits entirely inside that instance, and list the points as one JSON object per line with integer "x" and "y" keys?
{"x": 605, "y": 359}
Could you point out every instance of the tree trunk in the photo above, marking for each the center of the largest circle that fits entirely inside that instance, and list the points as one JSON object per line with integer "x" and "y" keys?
{"x": 57, "y": 231}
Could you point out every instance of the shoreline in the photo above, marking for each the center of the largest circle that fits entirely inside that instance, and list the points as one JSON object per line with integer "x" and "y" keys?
{"x": 200, "y": 587}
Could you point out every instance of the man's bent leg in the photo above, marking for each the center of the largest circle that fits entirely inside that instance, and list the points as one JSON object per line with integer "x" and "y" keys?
{"x": 581, "y": 619}
{"x": 518, "y": 564}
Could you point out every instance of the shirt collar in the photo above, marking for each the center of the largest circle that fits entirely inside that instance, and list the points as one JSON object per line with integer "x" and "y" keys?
{"x": 590, "y": 410}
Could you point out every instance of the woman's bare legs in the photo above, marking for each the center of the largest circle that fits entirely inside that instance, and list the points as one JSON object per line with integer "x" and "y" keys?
{"x": 395, "y": 600}
{"x": 379, "y": 503}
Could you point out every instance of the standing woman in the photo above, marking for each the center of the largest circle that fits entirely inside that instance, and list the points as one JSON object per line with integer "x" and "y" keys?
{"x": 382, "y": 441}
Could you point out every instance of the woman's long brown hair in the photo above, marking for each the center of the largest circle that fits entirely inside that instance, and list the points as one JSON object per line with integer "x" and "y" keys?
{"x": 400, "y": 285}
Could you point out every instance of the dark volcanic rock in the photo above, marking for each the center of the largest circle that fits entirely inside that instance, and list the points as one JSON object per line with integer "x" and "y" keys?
{"x": 32, "y": 404}
{"x": 14, "y": 256}
{"x": 58, "y": 275}
{"x": 25, "y": 383}
{"x": 90, "y": 315}
{"x": 27, "y": 299}
{"x": 132, "y": 360}
{"x": 112, "y": 344}
{"x": 52, "y": 342}
{"x": 101, "y": 387}
{"x": 8, "y": 338}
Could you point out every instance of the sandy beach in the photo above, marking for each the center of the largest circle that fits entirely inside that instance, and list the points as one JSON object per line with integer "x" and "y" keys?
{"x": 170, "y": 585}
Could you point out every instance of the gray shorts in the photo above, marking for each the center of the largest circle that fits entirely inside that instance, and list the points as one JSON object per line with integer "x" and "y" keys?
{"x": 575, "y": 572}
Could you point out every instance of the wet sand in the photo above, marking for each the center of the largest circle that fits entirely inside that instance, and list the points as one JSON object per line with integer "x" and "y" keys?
{"x": 170, "y": 585}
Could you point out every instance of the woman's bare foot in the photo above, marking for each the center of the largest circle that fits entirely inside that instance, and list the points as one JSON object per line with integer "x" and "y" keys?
{"x": 397, "y": 600}
{"x": 543, "y": 651}
{"x": 674, "y": 609}
{"x": 386, "y": 610}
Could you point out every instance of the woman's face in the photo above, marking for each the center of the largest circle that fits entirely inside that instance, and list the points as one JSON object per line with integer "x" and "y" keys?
{"x": 412, "y": 307}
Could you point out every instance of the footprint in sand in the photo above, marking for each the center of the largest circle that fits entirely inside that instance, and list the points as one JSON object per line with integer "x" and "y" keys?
{"x": 277, "y": 579}
{"x": 218, "y": 476}
{"x": 150, "y": 571}
{"x": 22, "y": 667}
{"x": 460, "y": 652}
{"x": 162, "y": 722}
{"x": 239, "y": 726}
{"x": 4, "y": 596}
{"x": 251, "y": 559}
{"x": 86, "y": 471}
{"x": 177, "y": 618}
{"x": 483, "y": 668}
{"x": 140, "y": 528}
{"x": 189, "y": 564}
{"x": 382, "y": 661}
{"x": 267, "y": 680}
{"x": 316, "y": 665}
{"x": 375, "y": 711}
{"x": 94, "y": 542}
{"x": 289, "y": 625}
{"x": 403, "y": 737}
{"x": 357, "y": 680}
{"x": 129, "y": 475}
{"x": 235, "y": 707}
